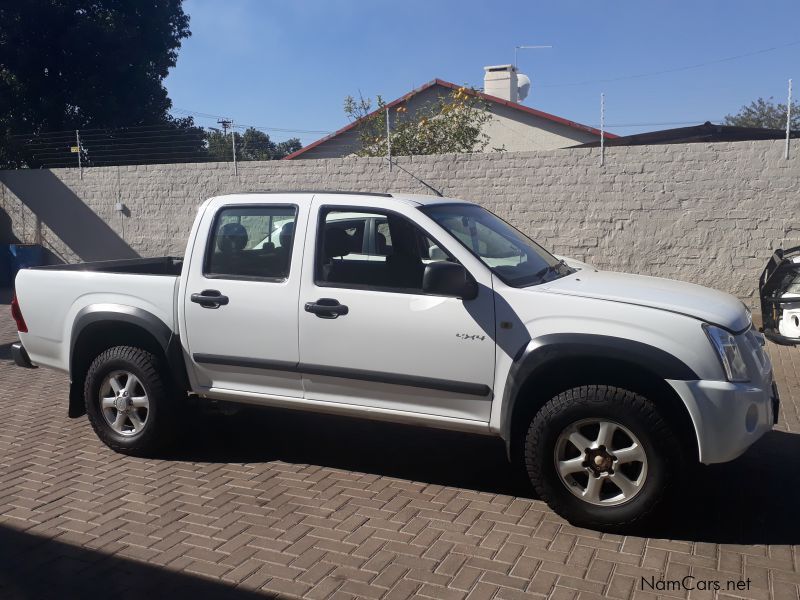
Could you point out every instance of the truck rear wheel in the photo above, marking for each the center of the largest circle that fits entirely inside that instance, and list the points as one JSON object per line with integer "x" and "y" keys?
{"x": 601, "y": 456}
{"x": 127, "y": 400}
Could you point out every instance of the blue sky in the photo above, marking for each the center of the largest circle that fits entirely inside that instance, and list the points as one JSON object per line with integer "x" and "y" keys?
{"x": 289, "y": 65}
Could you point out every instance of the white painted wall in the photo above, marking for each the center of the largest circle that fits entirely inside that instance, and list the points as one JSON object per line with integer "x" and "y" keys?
{"x": 705, "y": 213}
{"x": 514, "y": 131}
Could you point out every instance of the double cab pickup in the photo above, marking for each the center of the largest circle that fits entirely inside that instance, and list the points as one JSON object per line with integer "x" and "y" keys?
{"x": 605, "y": 387}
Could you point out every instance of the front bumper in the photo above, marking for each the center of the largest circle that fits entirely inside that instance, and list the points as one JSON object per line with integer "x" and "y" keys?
{"x": 781, "y": 340}
{"x": 20, "y": 356}
{"x": 728, "y": 417}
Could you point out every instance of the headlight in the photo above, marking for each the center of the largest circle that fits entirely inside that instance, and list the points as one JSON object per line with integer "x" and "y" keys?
{"x": 728, "y": 351}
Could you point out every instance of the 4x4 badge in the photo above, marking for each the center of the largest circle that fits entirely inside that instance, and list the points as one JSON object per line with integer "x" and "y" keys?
{"x": 467, "y": 336}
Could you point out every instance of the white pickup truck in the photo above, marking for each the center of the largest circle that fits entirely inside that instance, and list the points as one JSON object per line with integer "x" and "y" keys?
{"x": 430, "y": 311}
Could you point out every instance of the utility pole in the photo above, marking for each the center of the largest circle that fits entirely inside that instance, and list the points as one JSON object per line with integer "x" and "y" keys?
{"x": 228, "y": 124}
{"x": 602, "y": 129}
{"x": 78, "y": 145}
{"x": 388, "y": 139}
{"x": 233, "y": 145}
{"x": 788, "y": 120}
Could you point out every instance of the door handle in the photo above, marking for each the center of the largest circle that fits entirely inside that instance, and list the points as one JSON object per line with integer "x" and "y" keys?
{"x": 327, "y": 308}
{"x": 210, "y": 299}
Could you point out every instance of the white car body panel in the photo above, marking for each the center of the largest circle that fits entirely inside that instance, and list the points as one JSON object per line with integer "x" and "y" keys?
{"x": 385, "y": 318}
{"x": 259, "y": 324}
{"x": 540, "y": 313}
{"x": 54, "y": 298}
{"x": 700, "y": 302}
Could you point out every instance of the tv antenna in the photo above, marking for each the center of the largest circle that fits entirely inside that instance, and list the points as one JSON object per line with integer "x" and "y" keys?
{"x": 526, "y": 47}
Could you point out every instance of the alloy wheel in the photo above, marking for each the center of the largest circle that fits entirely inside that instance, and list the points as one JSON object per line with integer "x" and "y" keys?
{"x": 600, "y": 461}
{"x": 124, "y": 403}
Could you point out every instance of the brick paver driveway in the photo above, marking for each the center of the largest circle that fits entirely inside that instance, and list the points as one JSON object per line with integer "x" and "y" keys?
{"x": 289, "y": 505}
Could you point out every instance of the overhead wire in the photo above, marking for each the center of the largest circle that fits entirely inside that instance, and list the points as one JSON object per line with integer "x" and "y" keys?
{"x": 675, "y": 69}
{"x": 238, "y": 125}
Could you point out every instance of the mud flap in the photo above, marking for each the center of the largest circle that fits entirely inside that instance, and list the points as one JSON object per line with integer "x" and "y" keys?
{"x": 779, "y": 292}
{"x": 77, "y": 406}
{"x": 776, "y": 403}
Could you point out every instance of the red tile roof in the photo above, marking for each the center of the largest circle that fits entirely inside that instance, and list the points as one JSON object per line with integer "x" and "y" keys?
{"x": 453, "y": 86}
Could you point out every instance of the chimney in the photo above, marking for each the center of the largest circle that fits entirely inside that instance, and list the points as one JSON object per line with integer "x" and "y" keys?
{"x": 501, "y": 81}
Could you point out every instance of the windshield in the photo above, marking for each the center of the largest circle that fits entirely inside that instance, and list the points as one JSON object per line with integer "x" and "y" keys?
{"x": 510, "y": 254}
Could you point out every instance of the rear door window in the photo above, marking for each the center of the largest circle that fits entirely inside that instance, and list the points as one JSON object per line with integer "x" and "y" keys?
{"x": 252, "y": 242}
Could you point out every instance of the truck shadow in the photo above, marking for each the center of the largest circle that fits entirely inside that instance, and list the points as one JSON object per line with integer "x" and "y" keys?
{"x": 751, "y": 500}
{"x": 74, "y": 572}
{"x": 387, "y": 449}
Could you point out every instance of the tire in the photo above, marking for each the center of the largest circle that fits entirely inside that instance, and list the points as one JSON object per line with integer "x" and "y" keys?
{"x": 631, "y": 475}
{"x": 141, "y": 428}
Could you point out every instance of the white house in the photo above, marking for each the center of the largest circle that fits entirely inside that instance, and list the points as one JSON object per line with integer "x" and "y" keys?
{"x": 513, "y": 126}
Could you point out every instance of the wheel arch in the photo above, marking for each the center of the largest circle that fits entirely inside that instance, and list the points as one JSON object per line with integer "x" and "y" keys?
{"x": 97, "y": 328}
{"x": 554, "y": 363}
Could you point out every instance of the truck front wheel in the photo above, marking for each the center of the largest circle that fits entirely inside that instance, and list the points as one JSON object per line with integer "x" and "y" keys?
{"x": 127, "y": 401}
{"x": 601, "y": 456}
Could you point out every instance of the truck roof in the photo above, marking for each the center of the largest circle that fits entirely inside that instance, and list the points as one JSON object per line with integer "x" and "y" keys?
{"x": 416, "y": 199}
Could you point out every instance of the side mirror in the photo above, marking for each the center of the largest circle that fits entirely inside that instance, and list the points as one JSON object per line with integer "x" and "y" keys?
{"x": 449, "y": 279}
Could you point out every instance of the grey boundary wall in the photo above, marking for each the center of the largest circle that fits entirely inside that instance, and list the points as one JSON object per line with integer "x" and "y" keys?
{"x": 705, "y": 213}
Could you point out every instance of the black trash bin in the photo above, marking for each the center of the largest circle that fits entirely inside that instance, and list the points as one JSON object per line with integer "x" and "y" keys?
{"x": 23, "y": 256}
{"x": 5, "y": 266}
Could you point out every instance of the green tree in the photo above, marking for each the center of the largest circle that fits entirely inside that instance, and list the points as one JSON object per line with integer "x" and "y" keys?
{"x": 219, "y": 145}
{"x": 86, "y": 64}
{"x": 253, "y": 144}
{"x": 449, "y": 124}
{"x": 766, "y": 114}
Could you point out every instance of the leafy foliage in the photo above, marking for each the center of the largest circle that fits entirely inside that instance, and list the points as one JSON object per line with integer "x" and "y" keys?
{"x": 253, "y": 144}
{"x": 449, "y": 124}
{"x": 766, "y": 114}
{"x": 86, "y": 64}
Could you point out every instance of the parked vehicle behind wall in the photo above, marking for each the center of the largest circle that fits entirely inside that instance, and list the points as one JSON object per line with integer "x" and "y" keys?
{"x": 779, "y": 291}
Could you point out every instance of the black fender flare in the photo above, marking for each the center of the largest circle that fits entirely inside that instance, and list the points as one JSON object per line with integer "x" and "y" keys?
{"x": 165, "y": 337}
{"x": 547, "y": 350}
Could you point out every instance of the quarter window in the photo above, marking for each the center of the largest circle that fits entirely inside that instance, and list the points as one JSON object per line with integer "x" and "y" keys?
{"x": 251, "y": 242}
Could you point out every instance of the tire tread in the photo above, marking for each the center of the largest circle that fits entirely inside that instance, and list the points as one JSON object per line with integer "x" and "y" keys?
{"x": 590, "y": 396}
{"x": 153, "y": 439}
